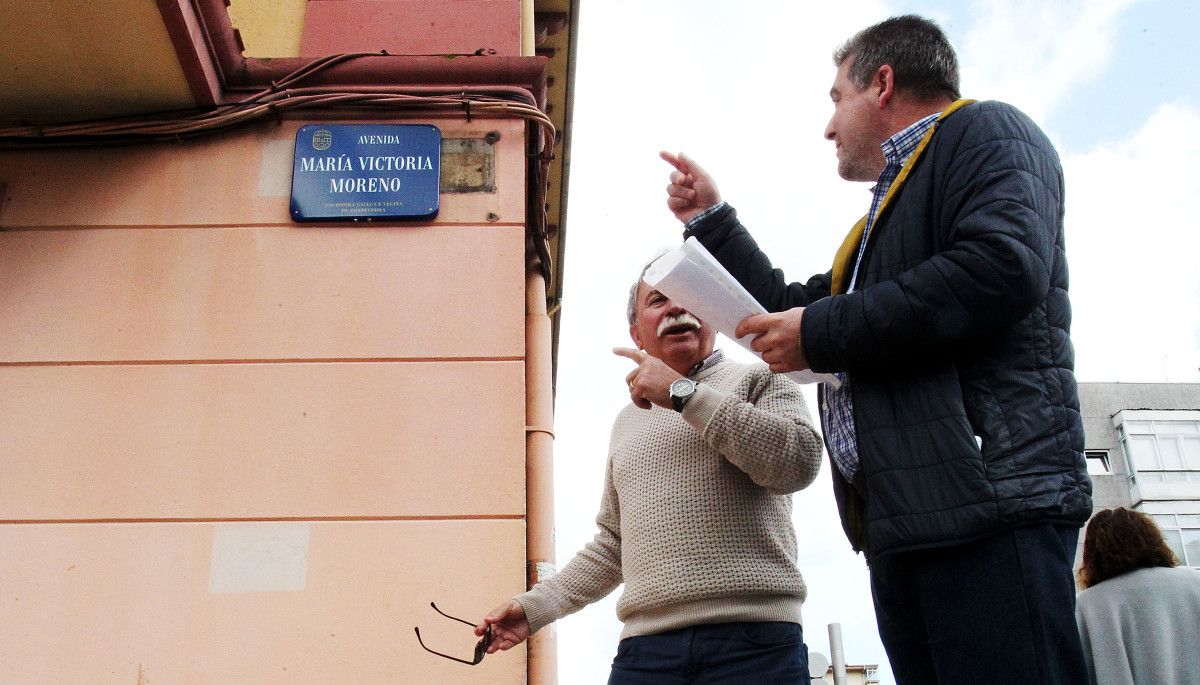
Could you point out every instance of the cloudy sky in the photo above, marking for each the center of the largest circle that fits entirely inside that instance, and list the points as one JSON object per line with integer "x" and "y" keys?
{"x": 743, "y": 89}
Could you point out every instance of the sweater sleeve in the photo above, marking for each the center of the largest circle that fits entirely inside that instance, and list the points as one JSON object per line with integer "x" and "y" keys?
{"x": 594, "y": 572}
{"x": 768, "y": 435}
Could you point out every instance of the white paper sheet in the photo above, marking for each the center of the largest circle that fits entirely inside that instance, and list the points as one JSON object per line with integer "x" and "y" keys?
{"x": 696, "y": 281}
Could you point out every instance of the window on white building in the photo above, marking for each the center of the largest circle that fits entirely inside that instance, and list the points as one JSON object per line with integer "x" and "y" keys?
{"x": 1163, "y": 451}
{"x": 1182, "y": 533}
{"x": 1097, "y": 462}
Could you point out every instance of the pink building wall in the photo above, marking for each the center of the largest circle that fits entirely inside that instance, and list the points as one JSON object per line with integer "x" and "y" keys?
{"x": 235, "y": 449}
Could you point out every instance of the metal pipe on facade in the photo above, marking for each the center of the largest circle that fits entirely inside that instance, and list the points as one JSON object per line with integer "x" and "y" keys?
{"x": 528, "y": 32}
{"x": 539, "y": 466}
{"x": 836, "y": 654}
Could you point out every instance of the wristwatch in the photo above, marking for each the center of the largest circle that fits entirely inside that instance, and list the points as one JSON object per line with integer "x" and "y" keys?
{"x": 682, "y": 390}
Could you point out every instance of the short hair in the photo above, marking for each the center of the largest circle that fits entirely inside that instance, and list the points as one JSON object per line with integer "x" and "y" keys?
{"x": 1118, "y": 541}
{"x": 919, "y": 54}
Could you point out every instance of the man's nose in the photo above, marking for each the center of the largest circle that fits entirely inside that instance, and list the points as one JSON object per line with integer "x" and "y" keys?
{"x": 830, "y": 134}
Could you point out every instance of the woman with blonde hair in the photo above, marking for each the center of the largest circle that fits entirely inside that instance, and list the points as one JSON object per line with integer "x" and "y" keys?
{"x": 1139, "y": 612}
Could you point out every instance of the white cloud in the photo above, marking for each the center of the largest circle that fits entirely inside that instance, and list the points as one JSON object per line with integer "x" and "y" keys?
{"x": 1133, "y": 235}
{"x": 1035, "y": 53}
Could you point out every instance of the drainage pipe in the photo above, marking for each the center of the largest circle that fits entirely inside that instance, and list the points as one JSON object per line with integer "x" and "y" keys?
{"x": 539, "y": 467}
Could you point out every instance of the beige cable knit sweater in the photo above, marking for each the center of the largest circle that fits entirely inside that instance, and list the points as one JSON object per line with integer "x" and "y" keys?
{"x": 696, "y": 513}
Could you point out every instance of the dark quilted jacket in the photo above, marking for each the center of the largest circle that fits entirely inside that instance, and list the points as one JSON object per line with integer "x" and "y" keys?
{"x": 956, "y": 341}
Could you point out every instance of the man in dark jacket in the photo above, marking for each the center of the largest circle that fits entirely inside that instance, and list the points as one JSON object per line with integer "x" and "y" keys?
{"x": 955, "y": 433}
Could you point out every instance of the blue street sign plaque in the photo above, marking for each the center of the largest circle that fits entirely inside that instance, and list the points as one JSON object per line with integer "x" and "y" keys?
{"x": 366, "y": 172}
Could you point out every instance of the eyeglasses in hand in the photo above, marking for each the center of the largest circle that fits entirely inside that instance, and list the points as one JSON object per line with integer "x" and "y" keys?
{"x": 480, "y": 647}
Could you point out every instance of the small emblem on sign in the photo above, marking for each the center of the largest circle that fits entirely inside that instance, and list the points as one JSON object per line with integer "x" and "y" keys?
{"x": 322, "y": 139}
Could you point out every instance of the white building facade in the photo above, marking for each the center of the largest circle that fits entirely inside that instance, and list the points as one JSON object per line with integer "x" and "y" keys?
{"x": 1142, "y": 442}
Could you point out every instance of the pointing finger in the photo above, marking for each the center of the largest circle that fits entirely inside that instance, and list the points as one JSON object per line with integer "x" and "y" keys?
{"x": 689, "y": 164}
{"x": 630, "y": 353}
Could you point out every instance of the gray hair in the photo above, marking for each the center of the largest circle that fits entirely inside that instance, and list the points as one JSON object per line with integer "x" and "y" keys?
{"x": 631, "y": 305}
{"x": 919, "y": 54}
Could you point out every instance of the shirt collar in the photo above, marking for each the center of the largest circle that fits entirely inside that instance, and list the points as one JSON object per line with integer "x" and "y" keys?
{"x": 710, "y": 361}
{"x": 897, "y": 148}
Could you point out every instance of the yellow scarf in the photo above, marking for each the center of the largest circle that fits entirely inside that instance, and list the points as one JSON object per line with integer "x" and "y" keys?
{"x": 843, "y": 261}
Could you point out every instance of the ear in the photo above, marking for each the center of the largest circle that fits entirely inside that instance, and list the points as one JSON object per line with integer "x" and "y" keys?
{"x": 884, "y": 85}
{"x": 637, "y": 339}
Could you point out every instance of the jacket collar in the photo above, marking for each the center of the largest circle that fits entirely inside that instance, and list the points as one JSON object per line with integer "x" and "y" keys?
{"x": 843, "y": 261}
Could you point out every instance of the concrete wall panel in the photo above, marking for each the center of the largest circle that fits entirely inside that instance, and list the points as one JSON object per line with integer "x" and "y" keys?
{"x": 127, "y": 604}
{"x": 188, "y": 441}
{"x": 261, "y": 293}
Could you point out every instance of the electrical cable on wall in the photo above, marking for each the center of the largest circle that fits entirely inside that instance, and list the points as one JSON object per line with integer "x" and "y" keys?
{"x": 285, "y": 96}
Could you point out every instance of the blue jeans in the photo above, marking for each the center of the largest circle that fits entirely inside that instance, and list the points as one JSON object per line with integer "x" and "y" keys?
{"x": 735, "y": 653}
{"x": 997, "y": 611}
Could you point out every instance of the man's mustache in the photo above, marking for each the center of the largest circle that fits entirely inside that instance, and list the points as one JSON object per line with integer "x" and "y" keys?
{"x": 678, "y": 323}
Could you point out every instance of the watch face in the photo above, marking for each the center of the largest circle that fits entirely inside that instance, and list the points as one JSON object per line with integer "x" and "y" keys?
{"x": 681, "y": 391}
{"x": 681, "y": 387}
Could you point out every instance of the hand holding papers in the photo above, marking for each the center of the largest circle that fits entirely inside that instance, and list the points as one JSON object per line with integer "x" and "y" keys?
{"x": 696, "y": 281}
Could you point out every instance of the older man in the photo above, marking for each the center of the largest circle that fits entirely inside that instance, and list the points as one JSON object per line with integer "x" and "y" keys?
{"x": 956, "y": 431}
{"x": 695, "y": 517}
